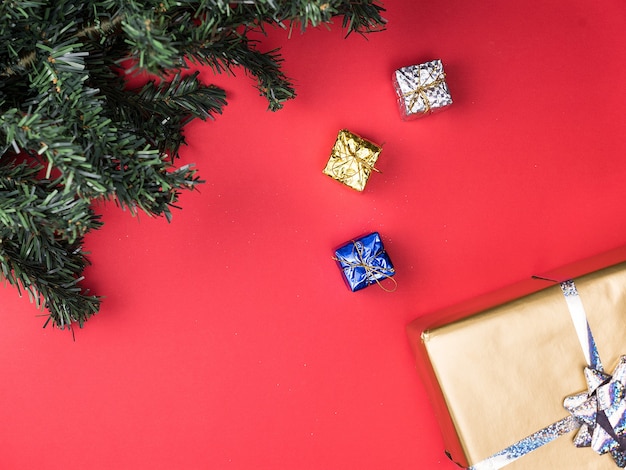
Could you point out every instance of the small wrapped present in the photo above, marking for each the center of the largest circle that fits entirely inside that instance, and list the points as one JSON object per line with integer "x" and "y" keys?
{"x": 421, "y": 89}
{"x": 364, "y": 261}
{"x": 352, "y": 160}
{"x": 535, "y": 383}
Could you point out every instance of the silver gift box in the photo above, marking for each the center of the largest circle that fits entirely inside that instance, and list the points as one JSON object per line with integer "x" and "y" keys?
{"x": 421, "y": 89}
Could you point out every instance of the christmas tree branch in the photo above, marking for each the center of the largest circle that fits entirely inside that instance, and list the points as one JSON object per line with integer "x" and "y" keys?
{"x": 160, "y": 110}
{"x": 57, "y": 289}
{"x": 37, "y": 206}
{"x": 82, "y": 135}
{"x": 236, "y": 50}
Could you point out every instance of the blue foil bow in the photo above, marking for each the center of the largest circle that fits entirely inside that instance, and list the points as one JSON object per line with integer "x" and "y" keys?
{"x": 599, "y": 414}
{"x": 364, "y": 261}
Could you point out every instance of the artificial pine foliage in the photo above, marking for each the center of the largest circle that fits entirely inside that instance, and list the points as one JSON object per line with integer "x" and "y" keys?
{"x": 72, "y": 132}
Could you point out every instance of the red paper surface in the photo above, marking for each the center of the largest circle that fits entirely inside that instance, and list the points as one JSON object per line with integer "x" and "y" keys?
{"x": 228, "y": 340}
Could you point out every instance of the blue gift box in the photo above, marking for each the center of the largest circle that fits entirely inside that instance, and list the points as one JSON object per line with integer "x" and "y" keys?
{"x": 364, "y": 261}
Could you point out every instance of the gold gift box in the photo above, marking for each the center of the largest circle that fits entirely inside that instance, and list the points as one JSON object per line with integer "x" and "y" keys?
{"x": 352, "y": 159}
{"x": 498, "y": 372}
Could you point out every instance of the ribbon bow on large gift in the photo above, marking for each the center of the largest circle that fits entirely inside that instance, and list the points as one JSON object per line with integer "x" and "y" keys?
{"x": 599, "y": 414}
{"x": 601, "y": 410}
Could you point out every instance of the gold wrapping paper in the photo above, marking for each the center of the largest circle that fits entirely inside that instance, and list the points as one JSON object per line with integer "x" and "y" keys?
{"x": 352, "y": 159}
{"x": 502, "y": 374}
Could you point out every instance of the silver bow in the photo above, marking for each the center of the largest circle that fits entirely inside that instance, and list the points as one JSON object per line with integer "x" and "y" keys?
{"x": 601, "y": 411}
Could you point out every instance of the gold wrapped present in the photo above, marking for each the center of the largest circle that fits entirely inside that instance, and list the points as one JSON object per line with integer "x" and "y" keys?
{"x": 534, "y": 383}
{"x": 352, "y": 159}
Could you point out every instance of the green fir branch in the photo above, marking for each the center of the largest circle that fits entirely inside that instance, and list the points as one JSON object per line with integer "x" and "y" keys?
{"x": 56, "y": 289}
{"x": 236, "y": 50}
{"x": 72, "y": 131}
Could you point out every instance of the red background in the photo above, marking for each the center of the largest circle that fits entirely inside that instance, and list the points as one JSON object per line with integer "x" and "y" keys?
{"x": 228, "y": 340}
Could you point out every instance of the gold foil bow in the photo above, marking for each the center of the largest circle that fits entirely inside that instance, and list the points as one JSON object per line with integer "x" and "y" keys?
{"x": 352, "y": 160}
{"x": 421, "y": 88}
